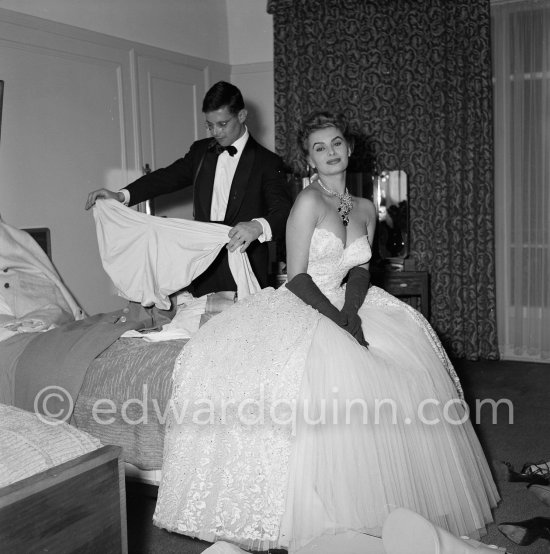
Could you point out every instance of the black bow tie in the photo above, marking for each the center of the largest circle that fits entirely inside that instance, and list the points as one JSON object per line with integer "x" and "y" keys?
{"x": 217, "y": 148}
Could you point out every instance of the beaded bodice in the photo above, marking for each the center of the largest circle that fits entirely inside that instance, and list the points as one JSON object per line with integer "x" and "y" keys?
{"x": 330, "y": 260}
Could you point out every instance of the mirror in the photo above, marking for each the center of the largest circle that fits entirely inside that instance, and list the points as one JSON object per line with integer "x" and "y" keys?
{"x": 392, "y": 205}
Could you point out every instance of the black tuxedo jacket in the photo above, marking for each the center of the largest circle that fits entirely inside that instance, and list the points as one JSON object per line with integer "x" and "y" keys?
{"x": 259, "y": 189}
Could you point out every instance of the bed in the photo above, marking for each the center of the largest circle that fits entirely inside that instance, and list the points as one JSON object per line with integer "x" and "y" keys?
{"x": 119, "y": 387}
{"x": 61, "y": 490}
{"x": 131, "y": 380}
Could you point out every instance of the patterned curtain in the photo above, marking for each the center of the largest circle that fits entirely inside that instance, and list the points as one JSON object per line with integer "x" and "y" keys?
{"x": 414, "y": 79}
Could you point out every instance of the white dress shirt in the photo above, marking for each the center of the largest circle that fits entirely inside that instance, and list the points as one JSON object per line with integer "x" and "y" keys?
{"x": 225, "y": 171}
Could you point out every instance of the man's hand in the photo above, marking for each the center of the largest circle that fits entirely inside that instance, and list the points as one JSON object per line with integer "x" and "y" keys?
{"x": 103, "y": 193}
{"x": 243, "y": 234}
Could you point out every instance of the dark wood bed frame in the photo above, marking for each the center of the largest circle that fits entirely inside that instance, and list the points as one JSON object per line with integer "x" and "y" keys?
{"x": 78, "y": 506}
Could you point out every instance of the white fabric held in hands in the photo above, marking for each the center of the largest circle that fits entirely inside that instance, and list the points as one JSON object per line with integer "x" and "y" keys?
{"x": 148, "y": 258}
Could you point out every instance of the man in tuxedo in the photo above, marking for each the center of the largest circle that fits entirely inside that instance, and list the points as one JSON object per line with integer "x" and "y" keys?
{"x": 235, "y": 181}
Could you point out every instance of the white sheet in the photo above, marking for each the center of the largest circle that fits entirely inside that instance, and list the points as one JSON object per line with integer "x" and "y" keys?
{"x": 5, "y": 308}
{"x": 148, "y": 258}
{"x": 32, "y": 295}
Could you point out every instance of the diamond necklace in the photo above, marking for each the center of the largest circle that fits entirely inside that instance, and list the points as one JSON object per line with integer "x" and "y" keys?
{"x": 345, "y": 206}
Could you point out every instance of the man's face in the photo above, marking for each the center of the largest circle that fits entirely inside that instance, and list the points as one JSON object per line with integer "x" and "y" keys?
{"x": 224, "y": 126}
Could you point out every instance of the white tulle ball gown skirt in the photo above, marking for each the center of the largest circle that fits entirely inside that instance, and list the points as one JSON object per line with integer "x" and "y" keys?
{"x": 284, "y": 428}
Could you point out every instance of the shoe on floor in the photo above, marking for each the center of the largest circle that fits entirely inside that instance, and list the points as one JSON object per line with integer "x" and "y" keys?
{"x": 542, "y": 492}
{"x": 526, "y": 532}
{"x": 222, "y": 547}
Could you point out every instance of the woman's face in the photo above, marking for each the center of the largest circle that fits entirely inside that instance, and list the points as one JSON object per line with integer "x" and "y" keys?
{"x": 328, "y": 151}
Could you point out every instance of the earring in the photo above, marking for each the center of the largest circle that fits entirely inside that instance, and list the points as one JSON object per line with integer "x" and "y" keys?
{"x": 313, "y": 175}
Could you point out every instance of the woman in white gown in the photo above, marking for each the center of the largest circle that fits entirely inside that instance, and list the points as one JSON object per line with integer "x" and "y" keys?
{"x": 285, "y": 425}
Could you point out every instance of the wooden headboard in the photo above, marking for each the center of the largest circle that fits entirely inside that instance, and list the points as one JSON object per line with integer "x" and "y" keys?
{"x": 42, "y": 236}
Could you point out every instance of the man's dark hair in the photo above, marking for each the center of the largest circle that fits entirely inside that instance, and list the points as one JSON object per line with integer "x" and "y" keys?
{"x": 222, "y": 95}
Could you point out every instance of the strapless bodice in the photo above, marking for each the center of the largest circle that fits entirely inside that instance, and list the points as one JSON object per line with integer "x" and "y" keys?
{"x": 330, "y": 260}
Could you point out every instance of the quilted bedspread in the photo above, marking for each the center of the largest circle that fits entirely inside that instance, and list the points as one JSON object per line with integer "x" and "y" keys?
{"x": 30, "y": 444}
{"x": 130, "y": 386}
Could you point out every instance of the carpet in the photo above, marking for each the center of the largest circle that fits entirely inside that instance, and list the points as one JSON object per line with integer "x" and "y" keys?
{"x": 516, "y": 430}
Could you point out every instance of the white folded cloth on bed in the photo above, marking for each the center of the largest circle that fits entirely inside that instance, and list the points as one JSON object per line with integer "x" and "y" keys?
{"x": 148, "y": 258}
{"x": 184, "y": 324}
{"x": 29, "y": 281}
{"x": 5, "y": 308}
{"x": 190, "y": 315}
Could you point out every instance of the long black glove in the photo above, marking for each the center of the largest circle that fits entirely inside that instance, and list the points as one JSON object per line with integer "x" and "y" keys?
{"x": 356, "y": 290}
{"x": 303, "y": 287}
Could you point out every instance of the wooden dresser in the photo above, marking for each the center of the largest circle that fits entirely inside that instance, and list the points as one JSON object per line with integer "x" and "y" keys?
{"x": 412, "y": 287}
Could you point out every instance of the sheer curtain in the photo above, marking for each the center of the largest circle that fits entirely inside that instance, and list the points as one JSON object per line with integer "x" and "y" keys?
{"x": 521, "y": 67}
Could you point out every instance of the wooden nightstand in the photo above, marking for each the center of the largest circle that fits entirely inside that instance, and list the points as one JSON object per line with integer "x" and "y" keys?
{"x": 412, "y": 287}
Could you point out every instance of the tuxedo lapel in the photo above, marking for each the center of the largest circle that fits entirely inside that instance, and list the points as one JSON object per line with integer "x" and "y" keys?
{"x": 240, "y": 180}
